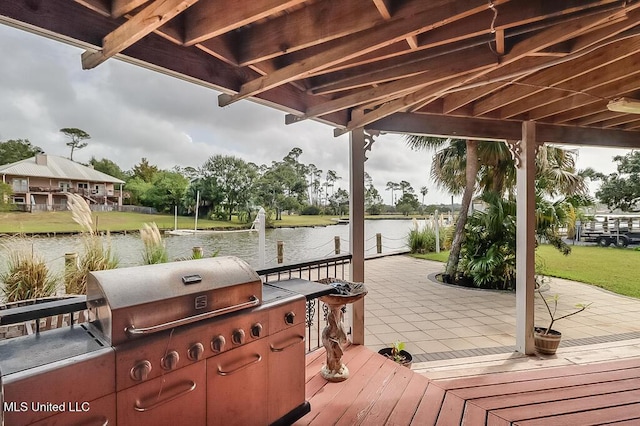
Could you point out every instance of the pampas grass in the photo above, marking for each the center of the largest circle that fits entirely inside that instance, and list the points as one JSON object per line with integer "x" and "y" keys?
{"x": 27, "y": 275}
{"x": 97, "y": 255}
{"x": 154, "y": 248}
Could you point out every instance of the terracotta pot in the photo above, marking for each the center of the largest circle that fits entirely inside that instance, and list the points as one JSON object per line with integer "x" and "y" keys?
{"x": 406, "y": 362}
{"x": 546, "y": 343}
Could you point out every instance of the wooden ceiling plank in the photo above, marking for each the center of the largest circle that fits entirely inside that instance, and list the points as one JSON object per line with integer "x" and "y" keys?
{"x": 556, "y": 75}
{"x": 571, "y": 107}
{"x": 308, "y": 26}
{"x": 439, "y": 74}
{"x": 120, "y": 8}
{"x": 595, "y": 77}
{"x": 144, "y": 22}
{"x": 356, "y": 45}
{"x": 212, "y": 18}
{"x": 493, "y": 129}
{"x": 595, "y": 118}
{"x": 620, "y": 120}
{"x": 460, "y": 35}
{"x": 537, "y": 42}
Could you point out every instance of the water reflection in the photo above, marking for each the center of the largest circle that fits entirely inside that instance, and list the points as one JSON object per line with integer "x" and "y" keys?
{"x": 299, "y": 243}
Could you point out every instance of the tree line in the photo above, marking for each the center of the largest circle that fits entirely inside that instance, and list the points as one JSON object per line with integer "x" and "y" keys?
{"x": 224, "y": 185}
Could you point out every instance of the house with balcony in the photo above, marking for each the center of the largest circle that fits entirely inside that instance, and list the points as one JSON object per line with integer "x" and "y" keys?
{"x": 42, "y": 182}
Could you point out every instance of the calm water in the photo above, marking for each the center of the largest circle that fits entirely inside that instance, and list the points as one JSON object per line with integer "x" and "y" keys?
{"x": 299, "y": 243}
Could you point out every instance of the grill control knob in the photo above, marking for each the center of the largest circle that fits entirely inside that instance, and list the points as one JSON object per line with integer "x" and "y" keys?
{"x": 290, "y": 318}
{"x": 218, "y": 342}
{"x": 140, "y": 371}
{"x": 170, "y": 360}
{"x": 256, "y": 330}
{"x": 237, "y": 337}
{"x": 195, "y": 352}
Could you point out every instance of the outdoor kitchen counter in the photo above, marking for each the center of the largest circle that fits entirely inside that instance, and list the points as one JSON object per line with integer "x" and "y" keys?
{"x": 309, "y": 289}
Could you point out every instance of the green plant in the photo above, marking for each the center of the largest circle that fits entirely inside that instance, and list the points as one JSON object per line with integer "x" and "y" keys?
{"x": 27, "y": 276}
{"x": 97, "y": 254}
{"x": 423, "y": 240}
{"x": 552, "y": 313}
{"x": 155, "y": 250}
{"x": 396, "y": 348}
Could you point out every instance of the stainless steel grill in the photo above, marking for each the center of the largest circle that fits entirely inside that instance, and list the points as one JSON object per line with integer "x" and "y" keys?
{"x": 198, "y": 342}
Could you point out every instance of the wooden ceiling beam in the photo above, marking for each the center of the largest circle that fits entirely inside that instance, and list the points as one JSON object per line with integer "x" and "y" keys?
{"x": 571, "y": 108}
{"x": 143, "y": 23}
{"x": 212, "y": 18}
{"x": 595, "y": 119}
{"x": 308, "y": 26}
{"x": 492, "y": 129}
{"x": 607, "y": 54}
{"x": 359, "y": 44}
{"x": 384, "y": 8}
{"x": 442, "y": 72}
{"x": 592, "y": 78}
{"x": 620, "y": 120}
{"x": 535, "y": 43}
{"x": 119, "y": 8}
{"x": 468, "y": 32}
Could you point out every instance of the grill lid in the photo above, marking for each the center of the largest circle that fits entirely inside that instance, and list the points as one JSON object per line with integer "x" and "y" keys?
{"x": 130, "y": 302}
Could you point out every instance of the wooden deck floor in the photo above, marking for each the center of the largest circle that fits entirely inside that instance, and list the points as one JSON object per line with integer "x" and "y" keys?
{"x": 380, "y": 392}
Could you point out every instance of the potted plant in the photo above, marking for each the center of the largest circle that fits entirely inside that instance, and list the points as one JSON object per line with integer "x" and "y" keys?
{"x": 397, "y": 353}
{"x": 546, "y": 339}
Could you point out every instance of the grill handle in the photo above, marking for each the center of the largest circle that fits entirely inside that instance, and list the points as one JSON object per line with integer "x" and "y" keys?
{"x": 191, "y": 388}
{"x": 299, "y": 339}
{"x": 242, "y": 367}
{"x": 133, "y": 331}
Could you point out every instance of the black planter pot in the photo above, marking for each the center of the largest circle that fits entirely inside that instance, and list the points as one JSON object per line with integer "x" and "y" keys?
{"x": 406, "y": 362}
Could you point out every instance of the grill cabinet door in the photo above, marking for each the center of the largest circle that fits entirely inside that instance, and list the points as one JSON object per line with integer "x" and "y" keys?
{"x": 286, "y": 372}
{"x": 237, "y": 386}
{"x": 176, "y": 398}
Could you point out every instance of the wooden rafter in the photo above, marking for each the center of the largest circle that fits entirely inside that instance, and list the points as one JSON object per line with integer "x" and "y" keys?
{"x": 120, "y": 8}
{"x": 535, "y": 43}
{"x": 213, "y": 18}
{"x": 144, "y": 22}
{"x": 356, "y": 45}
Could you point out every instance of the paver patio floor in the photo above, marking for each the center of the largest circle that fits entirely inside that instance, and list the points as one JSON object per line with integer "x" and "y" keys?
{"x": 439, "y": 321}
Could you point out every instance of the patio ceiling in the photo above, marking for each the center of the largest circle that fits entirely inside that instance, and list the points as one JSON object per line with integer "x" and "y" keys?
{"x": 472, "y": 68}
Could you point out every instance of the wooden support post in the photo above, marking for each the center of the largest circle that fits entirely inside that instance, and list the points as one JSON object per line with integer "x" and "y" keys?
{"x": 280, "y": 251}
{"x": 336, "y": 242}
{"x": 357, "y": 145}
{"x": 525, "y": 239}
{"x": 378, "y": 243}
{"x": 197, "y": 252}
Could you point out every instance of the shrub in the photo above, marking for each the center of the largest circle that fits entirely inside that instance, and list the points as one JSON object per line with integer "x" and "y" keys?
{"x": 97, "y": 254}
{"x": 154, "y": 248}
{"x": 423, "y": 240}
{"x": 310, "y": 211}
{"x": 27, "y": 276}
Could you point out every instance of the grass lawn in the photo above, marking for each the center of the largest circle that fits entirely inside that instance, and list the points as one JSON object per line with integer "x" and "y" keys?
{"x": 52, "y": 222}
{"x": 610, "y": 268}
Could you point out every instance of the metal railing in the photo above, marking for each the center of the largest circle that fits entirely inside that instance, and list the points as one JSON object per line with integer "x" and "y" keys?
{"x": 312, "y": 270}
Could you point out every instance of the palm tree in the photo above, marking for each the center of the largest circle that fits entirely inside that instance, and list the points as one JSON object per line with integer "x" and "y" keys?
{"x": 452, "y": 156}
{"x": 492, "y": 170}
{"x": 424, "y": 191}
{"x": 392, "y": 186}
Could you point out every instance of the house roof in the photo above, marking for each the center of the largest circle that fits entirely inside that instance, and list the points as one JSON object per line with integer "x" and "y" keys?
{"x": 58, "y": 168}
{"x": 475, "y": 68}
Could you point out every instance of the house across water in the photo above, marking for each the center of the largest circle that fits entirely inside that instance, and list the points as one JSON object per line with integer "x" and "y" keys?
{"x": 42, "y": 182}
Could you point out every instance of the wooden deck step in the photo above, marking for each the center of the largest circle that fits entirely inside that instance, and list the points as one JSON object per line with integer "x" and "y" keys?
{"x": 381, "y": 392}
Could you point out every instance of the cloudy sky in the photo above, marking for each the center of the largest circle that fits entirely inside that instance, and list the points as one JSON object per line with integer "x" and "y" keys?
{"x": 131, "y": 113}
